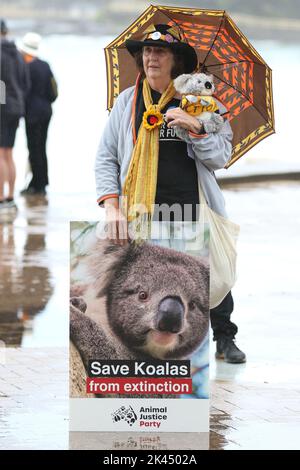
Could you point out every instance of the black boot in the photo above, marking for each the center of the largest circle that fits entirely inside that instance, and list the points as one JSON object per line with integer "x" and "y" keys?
{"x": 227, "y": 350}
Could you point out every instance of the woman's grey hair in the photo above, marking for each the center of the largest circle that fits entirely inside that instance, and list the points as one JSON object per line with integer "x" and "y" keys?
{"x": 177, "y": 69}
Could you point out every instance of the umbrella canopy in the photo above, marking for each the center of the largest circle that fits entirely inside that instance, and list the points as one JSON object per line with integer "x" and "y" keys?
{"x": 242, "y": 78}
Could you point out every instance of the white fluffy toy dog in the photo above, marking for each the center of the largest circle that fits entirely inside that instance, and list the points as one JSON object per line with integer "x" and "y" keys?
{"x": 197, "y": 90}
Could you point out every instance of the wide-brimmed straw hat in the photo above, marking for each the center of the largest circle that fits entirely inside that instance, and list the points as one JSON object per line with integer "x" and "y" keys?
{"x": 31, "y": 43}
{"x": 163, "y": 35}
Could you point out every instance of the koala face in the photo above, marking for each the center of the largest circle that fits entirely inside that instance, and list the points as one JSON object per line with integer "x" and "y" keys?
{"x": 195, "y": 84}
{"x": 158, "y": 302}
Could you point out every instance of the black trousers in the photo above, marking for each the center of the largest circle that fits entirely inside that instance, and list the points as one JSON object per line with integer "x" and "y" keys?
{"x": 36, "y": 141}
{"x": 220, "y": 319}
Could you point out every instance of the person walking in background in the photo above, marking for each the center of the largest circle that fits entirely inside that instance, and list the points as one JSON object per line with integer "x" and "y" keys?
{"x": 43, "y": 92}
{"x": 16, "y": 83}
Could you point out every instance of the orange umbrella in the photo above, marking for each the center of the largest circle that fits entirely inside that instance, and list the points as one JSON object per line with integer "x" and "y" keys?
{"x": 242, "y": 78}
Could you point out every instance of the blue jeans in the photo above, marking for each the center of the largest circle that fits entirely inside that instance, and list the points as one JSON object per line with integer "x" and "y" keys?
{"x": 188, "y": 237}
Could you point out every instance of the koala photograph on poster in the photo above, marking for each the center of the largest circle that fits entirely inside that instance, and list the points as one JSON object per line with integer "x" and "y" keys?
{"x": 139, "y": 319}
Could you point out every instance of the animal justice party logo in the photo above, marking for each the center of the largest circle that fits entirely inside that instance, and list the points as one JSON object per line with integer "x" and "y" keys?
{"x": 147, "y": 417}
{"x": 125, "y": 413}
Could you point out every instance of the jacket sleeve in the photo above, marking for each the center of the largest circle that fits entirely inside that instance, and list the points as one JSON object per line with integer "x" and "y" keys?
{"x": 23, "y": 76}
{"x": 214, "y": 150}
{"x": 107, "y": 166}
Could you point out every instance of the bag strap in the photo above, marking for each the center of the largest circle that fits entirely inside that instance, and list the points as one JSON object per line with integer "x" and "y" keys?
{"x": 202, "y": 198}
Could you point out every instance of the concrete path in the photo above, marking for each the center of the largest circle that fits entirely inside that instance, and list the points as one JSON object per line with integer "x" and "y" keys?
{"x": 34, "y": 411}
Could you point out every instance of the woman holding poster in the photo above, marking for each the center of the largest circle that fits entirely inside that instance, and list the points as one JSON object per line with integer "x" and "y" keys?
{"x": 141, "y": 157}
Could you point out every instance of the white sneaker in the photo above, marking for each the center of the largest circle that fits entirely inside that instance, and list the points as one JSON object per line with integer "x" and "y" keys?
{"x": 11, "y": 204}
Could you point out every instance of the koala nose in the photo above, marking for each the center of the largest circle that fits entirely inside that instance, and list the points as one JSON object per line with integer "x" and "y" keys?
{"x": 170, "y": 315}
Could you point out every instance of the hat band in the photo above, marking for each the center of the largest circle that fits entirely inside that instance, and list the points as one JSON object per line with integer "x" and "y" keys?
{"x": 31, "y": 46}
{"x": 157, "y": 36}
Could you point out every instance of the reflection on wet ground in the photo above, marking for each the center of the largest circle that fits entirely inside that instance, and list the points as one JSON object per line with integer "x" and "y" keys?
{"x": 25, "y": 279}
{"x": 253, "y": 406}
{"x": 138, "y": 441}
{"x": 34, "y": 259}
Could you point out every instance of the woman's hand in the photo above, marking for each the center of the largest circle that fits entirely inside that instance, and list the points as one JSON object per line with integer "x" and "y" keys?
{"x": 116, "y": 223}
{"x": 178, "y": 117}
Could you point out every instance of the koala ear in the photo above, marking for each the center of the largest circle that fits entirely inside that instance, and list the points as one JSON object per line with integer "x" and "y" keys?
{"x": 101, "y": 260}
{"x": 116, "y": 264}
{"x": 181, "y": 81}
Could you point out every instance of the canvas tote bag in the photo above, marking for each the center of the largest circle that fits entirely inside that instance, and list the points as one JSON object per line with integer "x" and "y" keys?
{"x": 222, "y": 249}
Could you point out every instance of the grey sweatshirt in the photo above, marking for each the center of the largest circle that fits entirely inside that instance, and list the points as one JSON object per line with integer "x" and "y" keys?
{"x": 210, "y": 152}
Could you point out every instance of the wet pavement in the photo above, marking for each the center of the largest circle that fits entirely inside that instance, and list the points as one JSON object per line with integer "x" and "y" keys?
{"x": 254, "y": 405}
{"x": 34, "y": 257}
{"x": 34, "y": 399}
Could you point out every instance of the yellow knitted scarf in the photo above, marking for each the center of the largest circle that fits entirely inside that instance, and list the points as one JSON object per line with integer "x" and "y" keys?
{"x": 140, "y": 183}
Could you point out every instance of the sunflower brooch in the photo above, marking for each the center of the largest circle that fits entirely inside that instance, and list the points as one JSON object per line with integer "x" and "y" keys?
{"x": 152, "y": 118}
